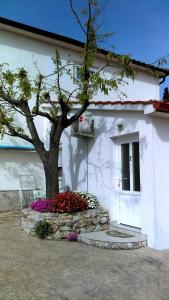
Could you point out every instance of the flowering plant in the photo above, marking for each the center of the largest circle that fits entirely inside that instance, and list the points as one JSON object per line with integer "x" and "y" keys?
{"x": 68, "y": 202}
{"x": 72, "y": 236}
{"x": 90, "y": 198}
{"x": 41, "y": 205}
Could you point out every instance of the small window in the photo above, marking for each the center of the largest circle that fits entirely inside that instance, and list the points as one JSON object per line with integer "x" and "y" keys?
{"x": 60, "y": 171}
{"x": 77, "y": 72}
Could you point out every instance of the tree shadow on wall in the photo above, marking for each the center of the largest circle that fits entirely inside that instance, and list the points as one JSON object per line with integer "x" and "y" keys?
{"x": 79, "y": 149}
{"x": 77, "y": 157}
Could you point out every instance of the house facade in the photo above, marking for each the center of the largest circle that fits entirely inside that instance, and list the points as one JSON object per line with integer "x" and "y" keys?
{"x": 124, "y": 160}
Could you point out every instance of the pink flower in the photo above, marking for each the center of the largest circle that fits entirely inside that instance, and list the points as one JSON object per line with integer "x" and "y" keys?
{"x": 72, "y": 236}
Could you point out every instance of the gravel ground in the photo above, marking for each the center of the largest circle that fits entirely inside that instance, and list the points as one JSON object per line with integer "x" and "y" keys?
{"x": 32, "y": 269}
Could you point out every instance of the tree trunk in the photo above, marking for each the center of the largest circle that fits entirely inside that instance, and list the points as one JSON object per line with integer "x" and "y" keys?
{"x": 51, "y": 164}
{"x": 51, "y": 177}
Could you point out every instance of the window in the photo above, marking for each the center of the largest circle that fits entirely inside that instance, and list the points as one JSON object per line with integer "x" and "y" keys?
{"x": 130, "y": 167}
{"x": 77, "y": 72}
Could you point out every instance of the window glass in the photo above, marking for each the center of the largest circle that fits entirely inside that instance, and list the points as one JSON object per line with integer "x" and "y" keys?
{"x": 125, "y": 167}
{"x": 136, "y": 166}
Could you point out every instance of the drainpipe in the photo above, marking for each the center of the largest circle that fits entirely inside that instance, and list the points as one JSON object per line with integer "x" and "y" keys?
{"x": 163, "y": 80}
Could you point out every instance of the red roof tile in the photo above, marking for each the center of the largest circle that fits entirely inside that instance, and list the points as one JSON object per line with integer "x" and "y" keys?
{"x": 120, "y": 102}
{"x": 161, "y": 106}
{"x": 143, "y": 102}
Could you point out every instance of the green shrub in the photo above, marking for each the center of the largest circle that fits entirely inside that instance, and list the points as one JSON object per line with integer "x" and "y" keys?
{"x": 43, "y": 229}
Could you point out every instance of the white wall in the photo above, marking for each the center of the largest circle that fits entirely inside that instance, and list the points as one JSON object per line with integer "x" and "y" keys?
{"x": 74, "y": 157}
{"x": 160, "y": 157}
{"x": 147, "y": 181}
{"x": 15, "y": 163}
{"x": 20, "y": 51}
{"x": 144, "y": 87}
{"x": 103, "y": 168}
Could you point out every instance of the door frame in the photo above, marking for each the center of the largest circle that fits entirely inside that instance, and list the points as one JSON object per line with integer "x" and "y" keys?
{"x": 130, "y": 138}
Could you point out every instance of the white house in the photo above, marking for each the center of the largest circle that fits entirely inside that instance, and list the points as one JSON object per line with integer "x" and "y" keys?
{"x": 124, "y": 160}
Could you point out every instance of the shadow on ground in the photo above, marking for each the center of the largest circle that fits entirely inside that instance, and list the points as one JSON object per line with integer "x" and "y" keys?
{"x": 32, "y": 269}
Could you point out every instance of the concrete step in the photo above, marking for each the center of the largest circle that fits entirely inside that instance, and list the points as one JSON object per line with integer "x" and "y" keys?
{"x": 113, "y": 239}
{"x": 128, "y": 229}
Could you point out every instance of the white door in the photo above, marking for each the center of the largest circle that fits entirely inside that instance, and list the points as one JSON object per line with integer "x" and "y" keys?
{"x": 129, "y": 184}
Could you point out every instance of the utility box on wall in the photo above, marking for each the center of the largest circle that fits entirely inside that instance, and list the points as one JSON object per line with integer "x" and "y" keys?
{"x": 84, "y": 126}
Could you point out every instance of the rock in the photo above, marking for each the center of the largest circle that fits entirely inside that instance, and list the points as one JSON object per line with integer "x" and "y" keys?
{"x": 50, "y": 237}
{"x": 27, "y": 224}
{"x": 27, "y": 230}
{"x": 103, "y": 220}
{"x": 66, "y": 228}
{"x": 85, "y": 221}
{"x": 58, "y": 235}
{"x": 105, "y": 227}
{"x": 38, "y": 217}
{"x": 94, "y": 221}
{"x": 55, "y": 227}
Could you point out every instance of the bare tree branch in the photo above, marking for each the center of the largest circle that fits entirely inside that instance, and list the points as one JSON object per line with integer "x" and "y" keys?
{"x": 60, "y": 69}
{"x": 39, "y": 145}
{"x": 77, "y": 17}
{"x": 71, "y": 94}
{"x": 13, "y": 131}
{"x": 77, "y": 115}
{"x": 63, "y": 105}
{"x": 8, "y": 99}
{"x": 37, "y": 111}
{"x": 48, "y": 100}
{"x": 46, "y": 115}
{"x": 38, "y": 94}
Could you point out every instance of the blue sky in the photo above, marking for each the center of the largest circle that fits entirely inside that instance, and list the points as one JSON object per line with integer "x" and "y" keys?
{"x": 141, "y": 26}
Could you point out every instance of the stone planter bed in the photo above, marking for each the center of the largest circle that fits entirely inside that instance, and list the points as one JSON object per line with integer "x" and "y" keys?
{"x": 85, "y": 221}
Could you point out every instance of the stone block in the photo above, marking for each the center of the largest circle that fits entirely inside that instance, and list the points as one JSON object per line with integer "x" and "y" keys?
{"x": 38, "y": 217}
{"x": 50, "y": 237}
{"x": 30, "y": 225}
{"x": 104, "y": 227}
{"x": 94, "y": 220}
{"x": 65, "y": 228}
{"x": 55, "y": 227}
{"x": 58, "y": 235}
{"x": 103, "y": 220}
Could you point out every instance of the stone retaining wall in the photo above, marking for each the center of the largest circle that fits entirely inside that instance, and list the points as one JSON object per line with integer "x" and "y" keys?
{"x": 80, "y": 222}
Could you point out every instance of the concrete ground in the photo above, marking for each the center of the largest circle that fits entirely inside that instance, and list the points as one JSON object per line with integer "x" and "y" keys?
{"x": 32, "y": 269}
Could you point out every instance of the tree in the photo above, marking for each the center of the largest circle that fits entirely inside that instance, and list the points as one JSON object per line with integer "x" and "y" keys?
{"x": 17, "y": 89}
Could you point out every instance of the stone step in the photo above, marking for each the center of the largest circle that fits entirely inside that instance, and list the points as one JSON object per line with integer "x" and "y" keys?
{"x": 104, "y": 239}
{"x": 128, "y": 229}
